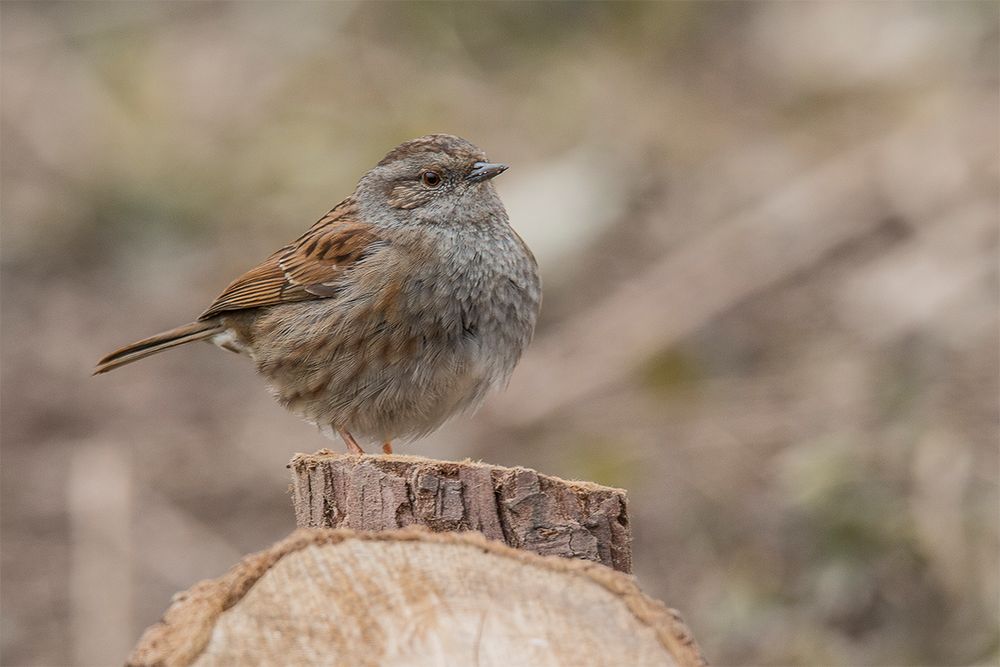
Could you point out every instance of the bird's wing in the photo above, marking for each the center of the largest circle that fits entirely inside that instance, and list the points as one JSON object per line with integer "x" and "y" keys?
{"x": 311, "y": 267}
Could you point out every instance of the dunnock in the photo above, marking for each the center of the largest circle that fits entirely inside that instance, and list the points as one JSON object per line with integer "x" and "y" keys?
{"x": 401, "y": 307}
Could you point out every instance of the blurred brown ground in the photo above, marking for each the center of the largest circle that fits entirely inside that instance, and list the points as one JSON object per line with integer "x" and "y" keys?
{"x": 769, "y": 239}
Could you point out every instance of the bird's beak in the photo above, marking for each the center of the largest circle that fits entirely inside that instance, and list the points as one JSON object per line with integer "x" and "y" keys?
{"x": 483, "y": 171}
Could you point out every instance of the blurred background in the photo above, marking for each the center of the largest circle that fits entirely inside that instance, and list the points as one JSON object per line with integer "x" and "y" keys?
{"x": 768, "y": 234}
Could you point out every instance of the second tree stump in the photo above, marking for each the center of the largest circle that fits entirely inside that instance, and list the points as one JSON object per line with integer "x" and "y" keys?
{"x": 517, "y": 506}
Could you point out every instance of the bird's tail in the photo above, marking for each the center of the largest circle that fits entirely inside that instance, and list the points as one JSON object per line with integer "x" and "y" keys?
{"x": 162, "y": 341}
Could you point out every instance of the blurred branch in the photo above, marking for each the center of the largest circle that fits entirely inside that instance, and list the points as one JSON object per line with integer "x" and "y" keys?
{"x": 791, "y": 230}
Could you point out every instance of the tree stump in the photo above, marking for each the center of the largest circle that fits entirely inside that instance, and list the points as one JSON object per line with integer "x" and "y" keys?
{"x": 386, "y": 570}
{"x": 412, "y": 597}
{"x": 516, "y": 506}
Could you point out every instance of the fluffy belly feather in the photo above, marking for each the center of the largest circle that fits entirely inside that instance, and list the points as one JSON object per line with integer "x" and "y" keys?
{"x": 380, "y": 384}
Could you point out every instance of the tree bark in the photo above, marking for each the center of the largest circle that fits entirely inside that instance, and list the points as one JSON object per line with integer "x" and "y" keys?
{"x": 516, "y": 506}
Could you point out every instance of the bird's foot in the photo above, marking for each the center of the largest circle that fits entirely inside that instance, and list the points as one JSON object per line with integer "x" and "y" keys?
{"x": 352, "y": 445}
{"x": 387, "y": 447}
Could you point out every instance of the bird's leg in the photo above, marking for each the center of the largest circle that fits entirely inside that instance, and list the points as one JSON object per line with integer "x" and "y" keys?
{"x": 352, "y": 445}
{"x": 387, "y": 447}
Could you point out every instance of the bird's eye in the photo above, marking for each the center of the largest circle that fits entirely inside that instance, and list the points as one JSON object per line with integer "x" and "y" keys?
{"x": 430, "y": 178}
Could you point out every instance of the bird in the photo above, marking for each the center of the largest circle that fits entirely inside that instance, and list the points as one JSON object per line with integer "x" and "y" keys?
{"x": 406, "y": 304}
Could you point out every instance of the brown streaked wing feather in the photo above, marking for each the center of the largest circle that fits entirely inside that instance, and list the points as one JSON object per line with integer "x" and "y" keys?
{"x": 260, "y": 286}
{"x": 309, "y": 268}
{"x": 322, "y": 257}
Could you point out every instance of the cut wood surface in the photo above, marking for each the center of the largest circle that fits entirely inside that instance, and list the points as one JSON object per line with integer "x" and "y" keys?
{"x": 412, "y": 597}
{"x": 516, "y": 506}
